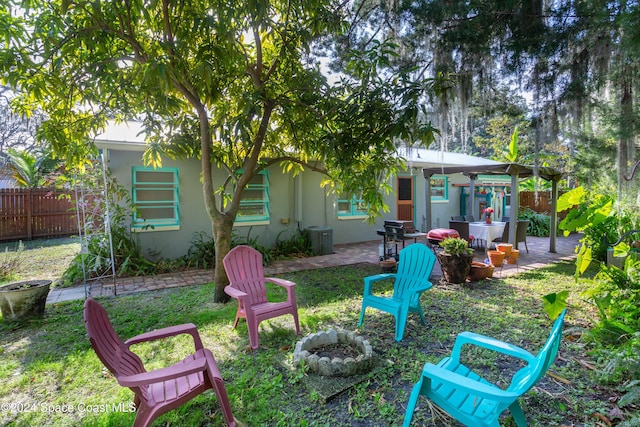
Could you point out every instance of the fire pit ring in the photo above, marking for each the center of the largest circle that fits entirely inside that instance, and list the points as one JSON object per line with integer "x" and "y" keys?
{"x": 336, "y": 367}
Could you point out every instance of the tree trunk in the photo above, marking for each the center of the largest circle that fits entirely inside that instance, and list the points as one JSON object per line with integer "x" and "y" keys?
{"x": 626, "y": 129}
{"x": 222, "y": 227}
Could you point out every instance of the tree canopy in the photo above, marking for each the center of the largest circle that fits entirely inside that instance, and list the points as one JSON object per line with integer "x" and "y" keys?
{"x": 575, "y": 64}
{"x": 234, "y": 84}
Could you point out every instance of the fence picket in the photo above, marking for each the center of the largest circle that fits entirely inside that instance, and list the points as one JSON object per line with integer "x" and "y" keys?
{"x": 26, "y": 214}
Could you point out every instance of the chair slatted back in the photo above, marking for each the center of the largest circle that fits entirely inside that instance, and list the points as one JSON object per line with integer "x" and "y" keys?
{"x": 111, "y": 350}
{"x": 414, "y": 267}
{"x": 243, "y": 265}
{"x": 528, "y": 376}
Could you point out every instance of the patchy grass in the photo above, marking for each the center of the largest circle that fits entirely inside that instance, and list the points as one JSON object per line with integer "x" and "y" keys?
{"x": 42, "y": 259}
{"x": 47, "y": 363}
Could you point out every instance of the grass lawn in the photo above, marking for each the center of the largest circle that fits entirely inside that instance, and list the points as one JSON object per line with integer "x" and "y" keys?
{"x": 40, "y": 259}
{"x": 49, "y": 375}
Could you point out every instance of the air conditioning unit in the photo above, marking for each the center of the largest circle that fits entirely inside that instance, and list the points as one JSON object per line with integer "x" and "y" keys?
{"x": 321, "y": 239}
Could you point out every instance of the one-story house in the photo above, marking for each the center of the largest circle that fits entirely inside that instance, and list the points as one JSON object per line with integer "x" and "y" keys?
{"x": 170, "y": 205}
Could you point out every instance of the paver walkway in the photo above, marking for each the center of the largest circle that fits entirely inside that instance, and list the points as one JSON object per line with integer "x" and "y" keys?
{"x": 344, "y": 254}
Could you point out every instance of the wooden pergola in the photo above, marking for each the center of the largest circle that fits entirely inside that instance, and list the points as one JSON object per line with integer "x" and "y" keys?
{"x": 516, "y": 171}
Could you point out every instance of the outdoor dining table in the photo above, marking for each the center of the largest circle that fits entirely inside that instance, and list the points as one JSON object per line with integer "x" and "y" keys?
{"x": 480, "y": 230}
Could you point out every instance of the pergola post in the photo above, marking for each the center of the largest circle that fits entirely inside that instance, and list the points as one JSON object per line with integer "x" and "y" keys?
{"x": 554, "y": 216}
{"x": 472, "y": 192}
{"x": 427, "y": 198}
{"x": 514, "y": 208}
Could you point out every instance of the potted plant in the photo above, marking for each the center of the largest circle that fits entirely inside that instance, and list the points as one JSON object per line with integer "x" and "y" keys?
{"x": 21, "y": 300}
{"x": 455, "y": 259}
{"x": 487, "y": 214}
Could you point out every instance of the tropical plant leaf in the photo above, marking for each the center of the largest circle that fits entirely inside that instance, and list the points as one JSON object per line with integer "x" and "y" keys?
{"x": 554, "y": 303}
{"x": 512, "y": 156}
{"x": 571, "y": 198}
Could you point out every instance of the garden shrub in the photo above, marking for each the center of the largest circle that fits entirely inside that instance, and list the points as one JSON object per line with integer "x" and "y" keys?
{"x": 298, "y": 245}
{"x": 539, "y": 223}
{"x": 201, "y": 253}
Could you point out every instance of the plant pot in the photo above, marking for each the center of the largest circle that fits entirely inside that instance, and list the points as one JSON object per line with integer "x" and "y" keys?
{"x": 455, "y": 268}
{"x": 505, "y": 247}
{"x": 480, "y": 271}
{"x": 388, "y": 265}
{"x": 21, "y": 300}
{"x": 496, "y": 258}
{"x": 513, "y": 258}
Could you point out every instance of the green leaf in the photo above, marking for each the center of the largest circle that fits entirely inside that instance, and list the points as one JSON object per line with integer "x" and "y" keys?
{"x": 554, "y": 303}
{"x": 584, "y": 259}
{"x": 571, "y": 198}
{"x": 513, "y": 147}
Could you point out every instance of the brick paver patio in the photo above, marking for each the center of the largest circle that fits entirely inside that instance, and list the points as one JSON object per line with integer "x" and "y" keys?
{"x": 344, "y": 254}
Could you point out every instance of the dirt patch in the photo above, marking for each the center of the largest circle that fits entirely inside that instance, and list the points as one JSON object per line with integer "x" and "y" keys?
{"x": 340, "y": 350}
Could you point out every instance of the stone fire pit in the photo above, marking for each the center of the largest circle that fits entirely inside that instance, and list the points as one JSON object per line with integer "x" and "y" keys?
{"x": 305, "y": 353}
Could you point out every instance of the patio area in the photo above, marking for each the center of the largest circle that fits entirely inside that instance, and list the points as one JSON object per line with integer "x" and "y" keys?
{"x": 344, "y": 254}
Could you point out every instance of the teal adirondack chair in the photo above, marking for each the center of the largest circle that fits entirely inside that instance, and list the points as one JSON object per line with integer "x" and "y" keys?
{"x": 471, "y": 399}
{"x": 411, "y": 280}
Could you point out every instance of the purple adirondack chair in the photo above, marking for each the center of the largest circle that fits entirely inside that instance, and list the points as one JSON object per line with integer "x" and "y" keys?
{"x": 243, "y": 265}
{"x": 161, "y": 390}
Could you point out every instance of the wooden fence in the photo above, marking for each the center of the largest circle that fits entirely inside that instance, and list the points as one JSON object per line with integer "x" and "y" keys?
{"x": 27, "y": 214}
{"x": 538, "y": 202}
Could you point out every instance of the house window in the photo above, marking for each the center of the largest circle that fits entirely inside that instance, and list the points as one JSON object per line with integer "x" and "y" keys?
{"x": 254, "y": 204}
{"x": 352, "y": 207}
{"x": 155, "y": 197}
{"x": 439, "y": 188}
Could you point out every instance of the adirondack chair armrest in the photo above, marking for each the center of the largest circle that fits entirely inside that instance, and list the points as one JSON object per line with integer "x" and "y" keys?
{"x": 280, "y": 282}
{"x": 424, "y": 287}
{"x": 235, "y": 293}
{"x": 460, "y": 382}
{"x": 171, "y": 331}
{"x": 368, "y": 281}
{"x": 490, "y": 344}
{"x": 163, "y": 374}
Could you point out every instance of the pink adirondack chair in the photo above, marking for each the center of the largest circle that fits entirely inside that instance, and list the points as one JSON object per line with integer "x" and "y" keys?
{"x": 243, "y": 265}
{"x": 161, "y": 390}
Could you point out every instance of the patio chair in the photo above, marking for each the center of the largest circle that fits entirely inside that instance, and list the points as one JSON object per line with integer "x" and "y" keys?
{"x": 410, "y": 281}
{"x": 243, "y": 265}
{"x": 457, "y": 218}
{"x": 471, "y": 399}
{"x": 505, "y": 233}
{"x": 161, "y": 390}
{"x": 462, "y": 227}
{"x": 521, "y": 233}
{"x": 469, "y": 218}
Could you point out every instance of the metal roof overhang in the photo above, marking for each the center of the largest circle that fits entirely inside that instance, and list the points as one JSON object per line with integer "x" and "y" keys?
{"x": 521, "y": 171}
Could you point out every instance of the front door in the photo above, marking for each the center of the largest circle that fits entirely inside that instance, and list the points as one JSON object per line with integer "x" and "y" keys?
{"x": 404, "y": 202}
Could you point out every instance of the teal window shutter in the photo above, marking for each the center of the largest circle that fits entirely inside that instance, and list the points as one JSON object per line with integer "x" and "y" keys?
{"x": 254, "y": 205}
{"x": 155, "y": 198}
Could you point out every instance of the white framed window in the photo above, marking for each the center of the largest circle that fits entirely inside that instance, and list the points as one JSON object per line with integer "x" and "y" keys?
{"x": 156, "y": 199}
{"x": 254, "y": 204}
{"x": 439, "y": 188}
